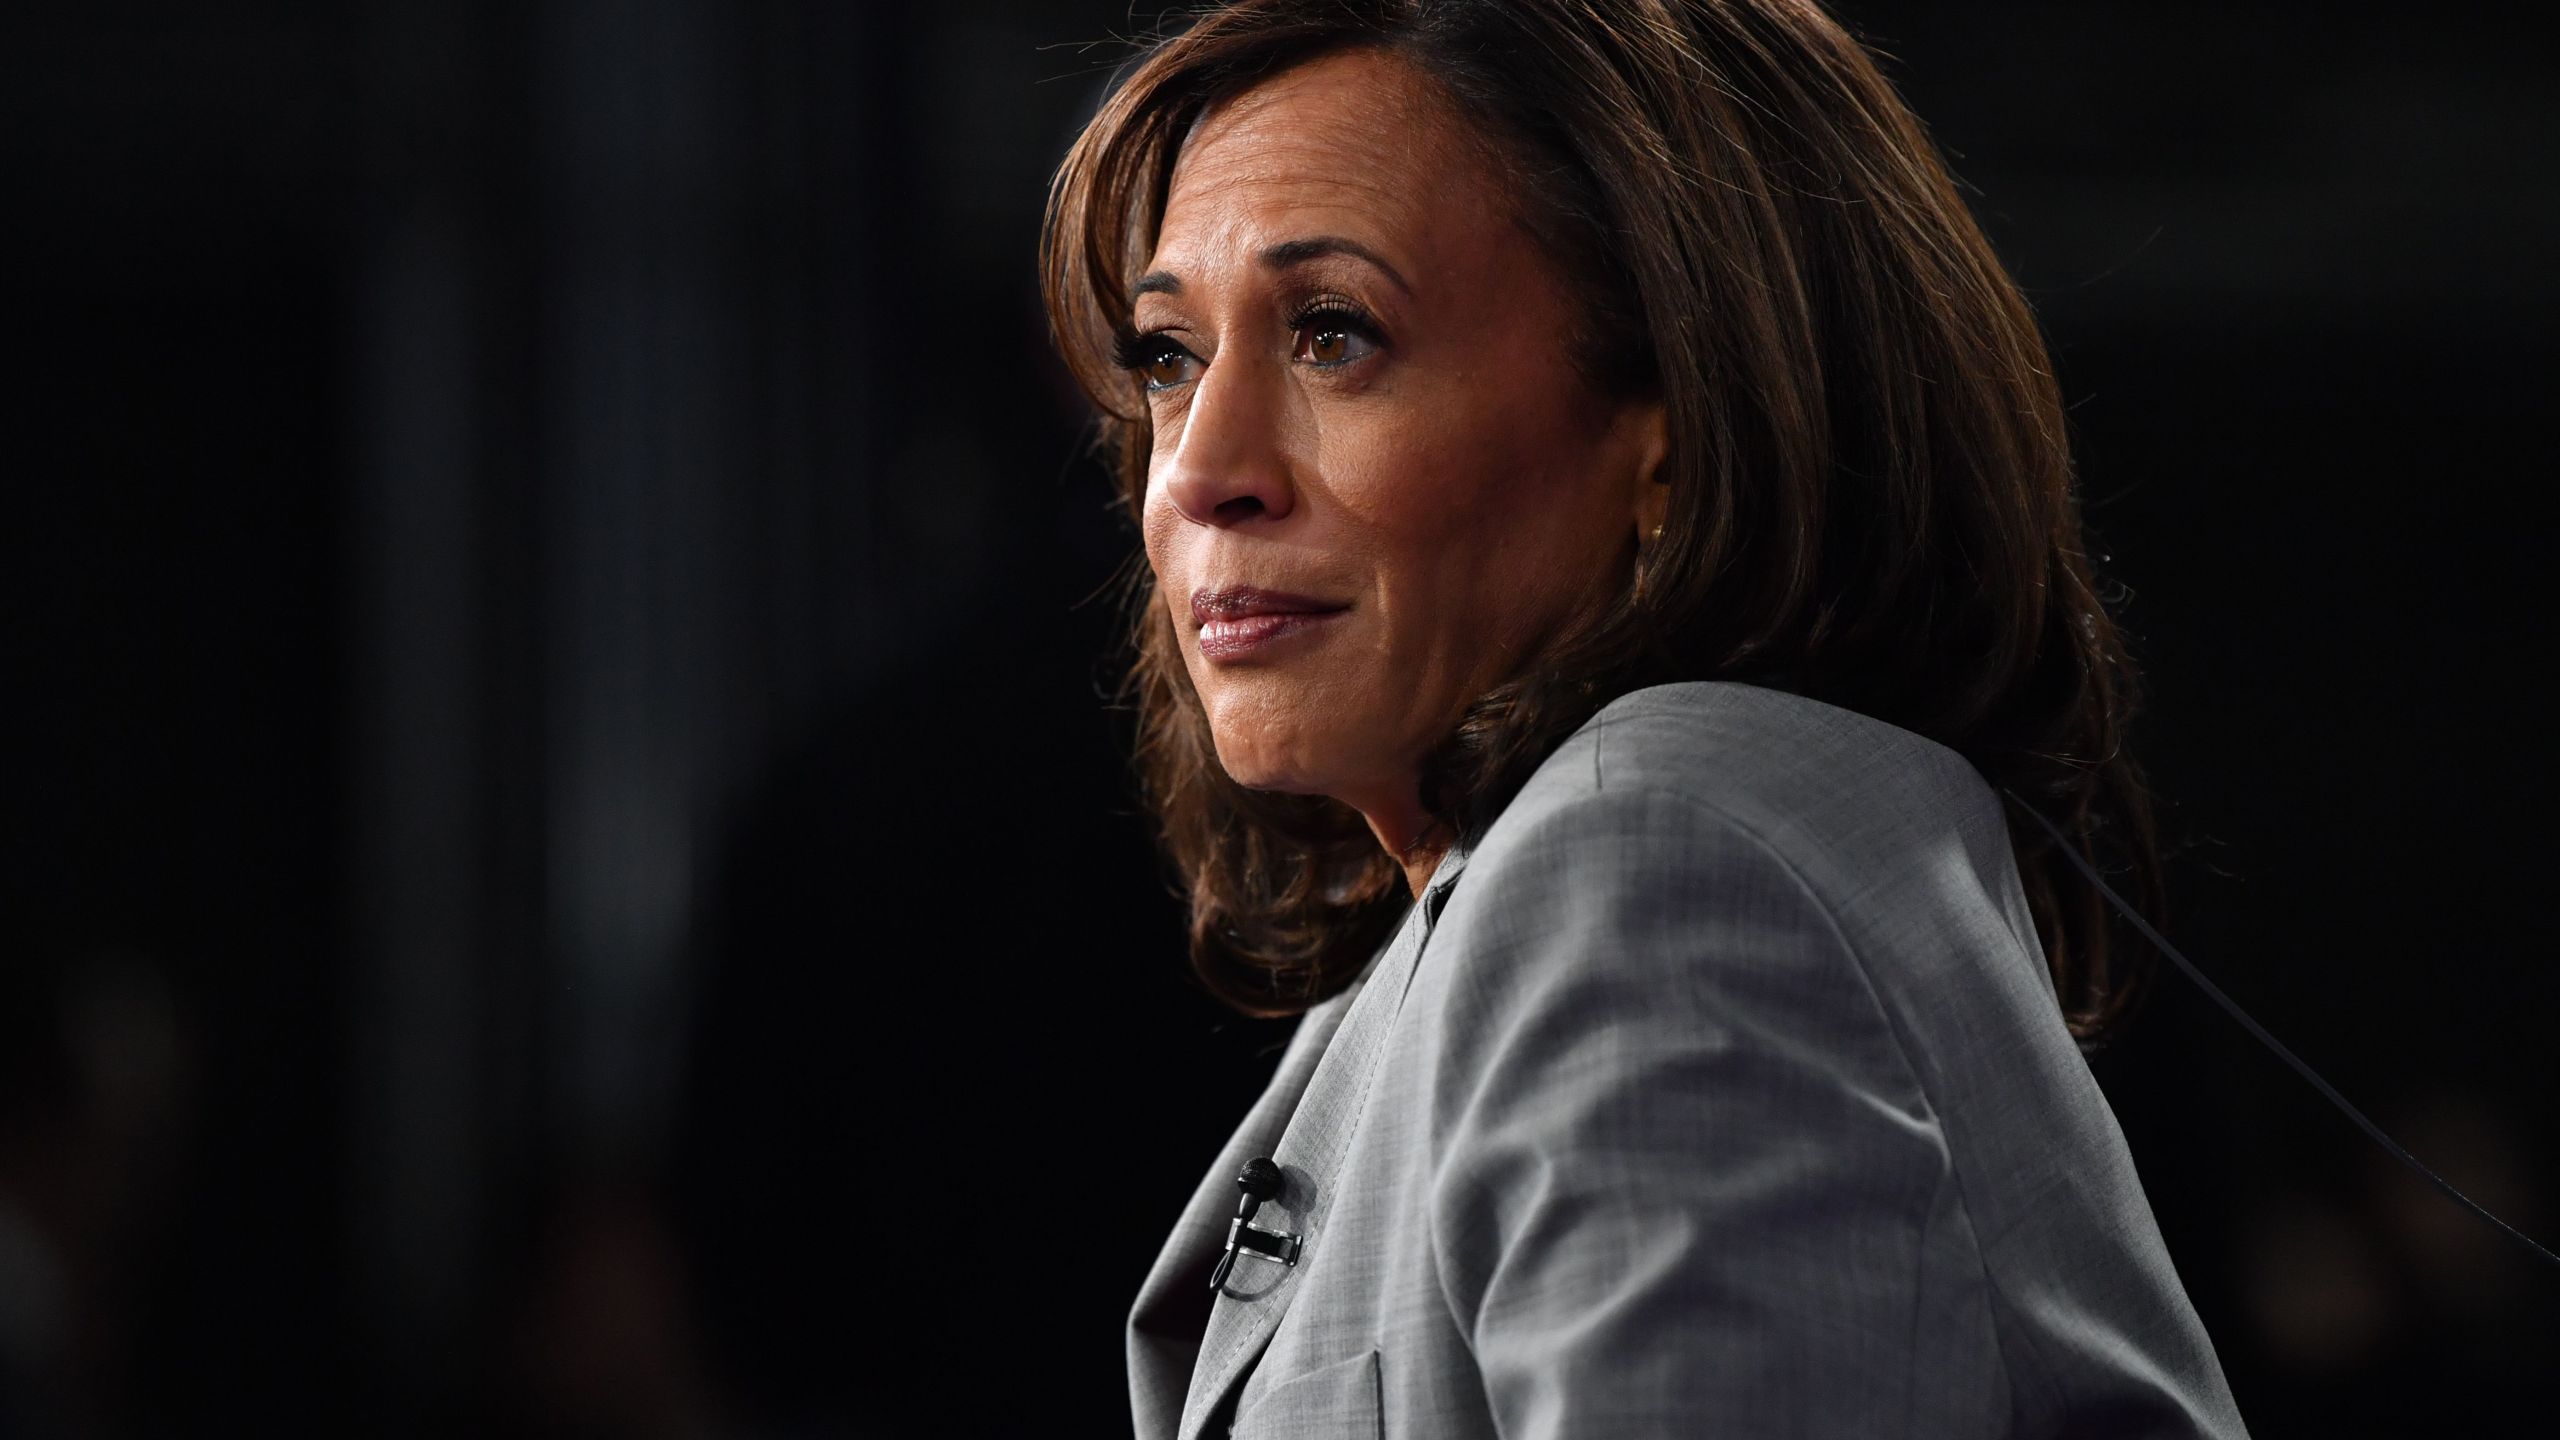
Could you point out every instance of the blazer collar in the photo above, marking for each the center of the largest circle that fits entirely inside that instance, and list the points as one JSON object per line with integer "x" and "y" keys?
{"x": 1304, "y": 1121}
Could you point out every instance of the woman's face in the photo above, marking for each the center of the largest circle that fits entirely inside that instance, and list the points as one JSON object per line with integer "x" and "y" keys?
{"x": 1378, "y": 481}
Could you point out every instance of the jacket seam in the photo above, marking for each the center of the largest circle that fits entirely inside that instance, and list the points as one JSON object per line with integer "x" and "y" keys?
{"x": 1902, "y": 1053}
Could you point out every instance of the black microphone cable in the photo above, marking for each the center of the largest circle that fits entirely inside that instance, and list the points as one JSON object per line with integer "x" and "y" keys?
{"x": 2260, "y": 1031}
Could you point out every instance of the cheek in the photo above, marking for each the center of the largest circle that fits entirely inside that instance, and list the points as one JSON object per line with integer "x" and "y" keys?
{"x": 1159, "y": 533}
{"x": 1496, "y": 502}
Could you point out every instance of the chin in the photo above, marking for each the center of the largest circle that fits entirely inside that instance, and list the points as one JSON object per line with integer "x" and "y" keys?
{"x": 1261, "y": 750}
{"x": 1253, "y": 767}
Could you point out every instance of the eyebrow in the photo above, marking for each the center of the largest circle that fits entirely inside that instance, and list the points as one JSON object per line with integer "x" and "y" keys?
{"x": 1282, "y": 256}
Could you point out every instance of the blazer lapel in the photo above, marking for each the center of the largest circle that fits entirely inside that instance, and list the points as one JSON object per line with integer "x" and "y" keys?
{"x": 1173, "y": 1305}
{"x": 1313, "y": 1131}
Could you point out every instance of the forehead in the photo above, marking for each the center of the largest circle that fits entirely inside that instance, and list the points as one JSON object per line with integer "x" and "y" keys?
{"x": 1359, "y": 144}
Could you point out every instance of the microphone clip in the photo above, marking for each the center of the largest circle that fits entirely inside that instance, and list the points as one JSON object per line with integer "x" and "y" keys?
{"x": 1259, "y": 1181}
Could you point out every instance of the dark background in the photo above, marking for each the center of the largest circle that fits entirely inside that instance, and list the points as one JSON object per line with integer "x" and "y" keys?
{"x": 566, "y": 872}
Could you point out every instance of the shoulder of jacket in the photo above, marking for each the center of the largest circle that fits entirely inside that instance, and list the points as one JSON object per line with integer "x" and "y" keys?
{"x": 1831, "y": 792}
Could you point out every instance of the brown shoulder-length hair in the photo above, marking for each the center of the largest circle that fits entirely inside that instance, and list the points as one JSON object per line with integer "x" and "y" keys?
{"x": 1872, "y": 497}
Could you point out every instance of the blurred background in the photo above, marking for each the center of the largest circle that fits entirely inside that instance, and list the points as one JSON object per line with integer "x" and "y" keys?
{"x": 548, "y": 570}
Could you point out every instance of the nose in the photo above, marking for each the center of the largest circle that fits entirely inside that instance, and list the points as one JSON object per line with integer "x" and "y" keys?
{"x": 1230, "y": 464}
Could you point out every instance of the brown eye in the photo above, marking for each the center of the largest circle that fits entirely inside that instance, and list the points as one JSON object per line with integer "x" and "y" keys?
{"x": 1156, "y": 359}
{"x": 1334, "y": 337}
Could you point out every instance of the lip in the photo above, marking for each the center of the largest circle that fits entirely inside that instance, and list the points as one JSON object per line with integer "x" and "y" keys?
{"x": 1236, "y": 623}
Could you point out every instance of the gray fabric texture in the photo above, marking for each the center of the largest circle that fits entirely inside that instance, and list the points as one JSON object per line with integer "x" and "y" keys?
{"x": 1716, "y": 1089}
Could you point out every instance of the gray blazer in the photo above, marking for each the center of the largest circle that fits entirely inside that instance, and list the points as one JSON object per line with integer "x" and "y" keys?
{"x": 1718, "y": 1089}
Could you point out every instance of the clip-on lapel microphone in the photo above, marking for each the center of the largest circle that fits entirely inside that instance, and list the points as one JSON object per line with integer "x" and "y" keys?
{"x": 1260, "y": 1180}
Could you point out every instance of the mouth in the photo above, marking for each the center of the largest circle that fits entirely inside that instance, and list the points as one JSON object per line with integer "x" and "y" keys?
{"x": 1235, "y": 624}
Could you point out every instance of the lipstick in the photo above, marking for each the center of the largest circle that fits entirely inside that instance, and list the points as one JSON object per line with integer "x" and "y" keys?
{"x": 1241, "y": 622}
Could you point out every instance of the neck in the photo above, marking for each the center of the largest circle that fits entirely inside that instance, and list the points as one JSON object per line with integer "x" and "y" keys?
{"x": 1408, "y": 832}
{"x": 1421, "y": 863}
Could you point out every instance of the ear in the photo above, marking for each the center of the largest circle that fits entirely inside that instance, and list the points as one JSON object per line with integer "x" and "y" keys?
{"x": 1646, "y": 426}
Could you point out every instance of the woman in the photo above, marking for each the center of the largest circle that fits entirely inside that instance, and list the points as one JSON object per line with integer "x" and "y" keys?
{"x": 1612, "y": 546}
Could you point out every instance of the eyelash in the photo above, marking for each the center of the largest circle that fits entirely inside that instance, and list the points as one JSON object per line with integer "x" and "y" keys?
{"x": 1134, "y": 352}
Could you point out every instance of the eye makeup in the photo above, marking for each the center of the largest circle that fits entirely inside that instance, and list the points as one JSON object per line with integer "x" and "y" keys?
{"x": 1326, "y": 315}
